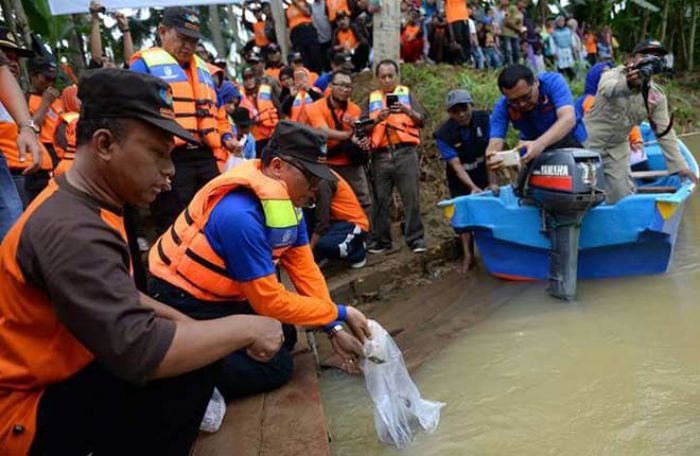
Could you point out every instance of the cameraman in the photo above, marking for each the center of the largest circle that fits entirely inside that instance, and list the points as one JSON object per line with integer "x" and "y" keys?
{"x": 619, "y": 106}
{"x": 335, "y": 115}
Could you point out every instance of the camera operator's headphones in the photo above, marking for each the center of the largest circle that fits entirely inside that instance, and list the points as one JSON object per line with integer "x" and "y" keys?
{"x": 655, "y": 48}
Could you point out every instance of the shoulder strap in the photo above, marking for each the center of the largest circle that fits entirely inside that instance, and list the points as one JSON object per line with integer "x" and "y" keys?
{"x": 336, "y": 121}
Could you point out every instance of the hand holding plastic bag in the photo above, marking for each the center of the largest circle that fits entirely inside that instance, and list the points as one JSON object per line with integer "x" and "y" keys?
{"x": 399, "y": 410}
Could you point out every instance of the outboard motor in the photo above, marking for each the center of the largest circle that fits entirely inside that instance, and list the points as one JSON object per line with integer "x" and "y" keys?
{"x": 565, "y": 184}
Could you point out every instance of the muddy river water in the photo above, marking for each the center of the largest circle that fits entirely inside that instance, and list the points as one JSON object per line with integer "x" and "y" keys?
{"x": 615, "y": 373}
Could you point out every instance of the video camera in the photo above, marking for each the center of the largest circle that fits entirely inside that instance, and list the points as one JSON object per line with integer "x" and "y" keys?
{"x": 651, "y": 65}
{"x": 360, "y": 125}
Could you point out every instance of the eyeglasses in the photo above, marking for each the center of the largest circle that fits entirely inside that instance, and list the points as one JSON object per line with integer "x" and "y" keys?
{"x": 312, "y": 179}
{"x": 525, "y": 100}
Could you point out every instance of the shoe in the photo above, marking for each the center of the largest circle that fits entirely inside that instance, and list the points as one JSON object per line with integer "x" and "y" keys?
{"x": 419, "y": 247}
{"x": 359, "y": 264}
{"x": 143, "y": 244}
{"x": 378, "y": 249}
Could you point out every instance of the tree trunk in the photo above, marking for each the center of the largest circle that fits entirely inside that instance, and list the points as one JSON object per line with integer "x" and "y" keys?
{"x": 7, "y": 15}
{"x": 691, "y": 39}
{"x": 645, "y": 23}
{"x": 664, "y": 21}
{"x": 387, "y": 31}
{"x": 215, "y": 27}
{"x": 233, "y": 21}
{"x": 280, "y": 28}
{"x": 681, "y": 24}
{"x": 21, "y": 25}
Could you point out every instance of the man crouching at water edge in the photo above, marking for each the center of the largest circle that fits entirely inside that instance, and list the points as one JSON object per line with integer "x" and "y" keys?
{"x": 541, "y": 108}
{"x": 87, "y": 363}
{"x": 221, "y": 257}
{"x": 619, "y": 106}
{"x": 462, "y": 142}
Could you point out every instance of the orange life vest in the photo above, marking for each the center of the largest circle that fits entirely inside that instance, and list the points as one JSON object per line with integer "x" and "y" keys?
{"x": 260, "y": 35}
{"x": 183, "y": 257}
{"x": 273, "y": 72}
{"x": 345, "y": 206}
{"x": 36, "y": 349}
{"x": 51, "y": 119}
{"x": 262, "y": 111}
{"x": 67, "y": 155}
{"x": 347, "y": 39}
{"x": 399, "y": 126}
{"x": 333, "y": 7}
{"x": 456, "y": 10}
{"x": 410, "y": 33}
{"x": 296, "y": 18}
{"x": 8, "y": 146}
{"x": 194, "y": 96}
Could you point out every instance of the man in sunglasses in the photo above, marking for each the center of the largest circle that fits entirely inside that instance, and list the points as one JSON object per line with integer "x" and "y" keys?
{"x": 44, "y": 100}
{"x": 541, "y": 108}
{"x": 221, "y": 257}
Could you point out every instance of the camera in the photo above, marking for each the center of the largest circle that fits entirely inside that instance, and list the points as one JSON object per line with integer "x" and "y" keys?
{"x": 651, "y": 65}
{"x": 360, "y": 125}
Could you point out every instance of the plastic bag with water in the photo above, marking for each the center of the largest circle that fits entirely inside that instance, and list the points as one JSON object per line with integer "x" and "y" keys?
{"x": 399, "y": 411}
{"x": 214, "y": 416}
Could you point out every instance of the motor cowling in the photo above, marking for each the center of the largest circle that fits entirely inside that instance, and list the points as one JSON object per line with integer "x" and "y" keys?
{"x": 565, "y": 183}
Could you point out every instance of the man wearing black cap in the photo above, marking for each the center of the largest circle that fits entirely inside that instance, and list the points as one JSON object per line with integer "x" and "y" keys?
{"x": 619, "y": 106}
{"x": 14, "y": 107}
{"x": 273, "y": 61}
{"x": 30, "y": 174}
{"x": 196, "y": 109}
{"x": 91, "y": 365}
{"x": 296, "y": 61}
{"x": 220, "y": 256}
{"x": 462, "y": 142}
{"x": 44, "y": 102}
{"x": 349, "y": 39}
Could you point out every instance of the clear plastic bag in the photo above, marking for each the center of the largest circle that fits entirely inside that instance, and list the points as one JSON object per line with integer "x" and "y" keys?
{"x": 214, "y": 416}
{"x": 399, "y": 411}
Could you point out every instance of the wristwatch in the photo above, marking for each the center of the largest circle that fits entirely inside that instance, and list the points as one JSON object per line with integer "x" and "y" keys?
{"x": 31, "y": 124}
{"x": 335, "y": 330}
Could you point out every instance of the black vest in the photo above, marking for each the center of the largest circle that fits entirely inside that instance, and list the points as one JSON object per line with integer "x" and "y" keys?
{"x": 472, "y": 151}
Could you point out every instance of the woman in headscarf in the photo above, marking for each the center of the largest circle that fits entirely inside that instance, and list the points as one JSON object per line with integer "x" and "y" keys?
{"x": 562, "y": 47}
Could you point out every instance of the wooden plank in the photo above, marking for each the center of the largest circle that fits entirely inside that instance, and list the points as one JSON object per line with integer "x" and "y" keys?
{"x": 647, "y": 174}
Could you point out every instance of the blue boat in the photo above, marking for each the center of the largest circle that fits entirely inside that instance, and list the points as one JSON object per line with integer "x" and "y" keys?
{"x": 633, "y": 237}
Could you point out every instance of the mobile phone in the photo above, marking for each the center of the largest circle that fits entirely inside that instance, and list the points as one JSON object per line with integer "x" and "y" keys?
{"x": 391, "y": 99}
{"x": 509, "y": 157}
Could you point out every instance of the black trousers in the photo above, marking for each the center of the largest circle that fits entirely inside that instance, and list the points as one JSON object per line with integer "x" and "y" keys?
{"x": 305, "y": 40}
{"x": 460, "y": 31}
{"x": 193, "y": 169}
{"x": 240, "y": 375}
{"x": 96, "y": 412}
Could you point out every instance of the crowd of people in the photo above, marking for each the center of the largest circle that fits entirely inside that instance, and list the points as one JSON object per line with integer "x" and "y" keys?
{"x": 277, "y": 169}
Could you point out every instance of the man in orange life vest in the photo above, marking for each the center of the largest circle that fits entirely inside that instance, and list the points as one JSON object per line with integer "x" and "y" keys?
{"x": 398, "y": 117}
{"x": 87, "y": 363}
{"x": 30, "y": 174}
{"x": 349, "y": 39}
{"x": 335, "y": 115}
{"x": 196, "y": 109}
{"x": 13, "y": 106}
{"x": 260, "y": 100}
{"x": 44, "y": 100}
{"x": 221, "y": 255}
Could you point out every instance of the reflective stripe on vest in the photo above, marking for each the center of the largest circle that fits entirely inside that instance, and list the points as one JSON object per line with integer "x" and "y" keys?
{"x": 194, "y": 103}
{"x": 263, "y": 112}
{"x": 300, "y": 100}
{"x": 184, "y": 258}
{"x": 401, "y": 124}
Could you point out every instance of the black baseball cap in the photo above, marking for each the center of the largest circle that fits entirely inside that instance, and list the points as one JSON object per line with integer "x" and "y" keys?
{"x": 8, "y": 40}
{"x": 184, "y": 20}
{"x": 305, "y": 145}
{"x": 650, "y": 46}
{"x": 294, "y": 57}
{"x": 344, "y": 61}
{"x": 273, "y": 47}
{"x": 42, "y": 65}
{"x": 241, "y": 117}
{"x": 112, "y": 93}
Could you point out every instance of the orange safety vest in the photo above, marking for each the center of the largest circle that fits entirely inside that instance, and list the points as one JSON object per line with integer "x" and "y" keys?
{"x": 456, "y": 10}
{"x": 8, "y": 147}
{"x": 346, "y": 207}
{"x": 262, "y": 110}
{"x": 347, "y": 39}
{"x": 273, "y": 72}
{"x": 260, "y": 35}
{"x": 194, "y": 99}
{"x": 51, "y": 119}
{"x": 296, "y": 18}
{"x": 36, "y": 349}
{"x": 183, "y": 257}
{"x": 410, "y": 33}
{"x": 333, "y": 7}
{"x": 400, "y": 126}
{"x": 66, "y": 155}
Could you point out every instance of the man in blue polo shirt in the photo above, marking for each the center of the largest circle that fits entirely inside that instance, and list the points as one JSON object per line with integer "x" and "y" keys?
{"x": 541, "y": 109}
